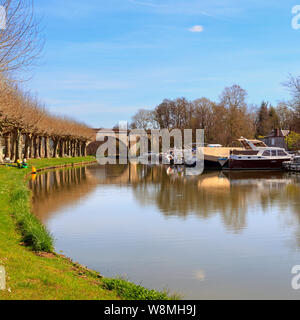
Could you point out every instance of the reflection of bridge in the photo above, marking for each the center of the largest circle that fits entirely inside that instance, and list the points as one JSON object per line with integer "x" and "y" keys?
{"x": 119, "y": 174}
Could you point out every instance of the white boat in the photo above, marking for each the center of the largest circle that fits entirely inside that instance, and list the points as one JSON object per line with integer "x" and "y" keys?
{"x": 257, "y": 156}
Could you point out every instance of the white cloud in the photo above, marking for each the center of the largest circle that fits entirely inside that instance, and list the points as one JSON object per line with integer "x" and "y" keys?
{"x": 196, "y": 29}
{"x": 144, "y": 3}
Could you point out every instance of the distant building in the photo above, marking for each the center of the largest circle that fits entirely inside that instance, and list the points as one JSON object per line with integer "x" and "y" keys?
{"x": 276, "y": 138}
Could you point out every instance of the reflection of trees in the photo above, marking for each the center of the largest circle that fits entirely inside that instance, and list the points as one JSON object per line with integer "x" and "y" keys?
{"x": 54, "y": 189}
{"x": 202, "y": 195}
{"x": 288, "y": 198}
{"x": 230, "y": 195}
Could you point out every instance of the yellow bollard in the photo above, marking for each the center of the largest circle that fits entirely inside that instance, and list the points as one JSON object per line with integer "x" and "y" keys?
{"x": 33, "y": 170}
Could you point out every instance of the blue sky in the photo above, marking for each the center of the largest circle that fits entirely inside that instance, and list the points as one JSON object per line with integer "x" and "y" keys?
{"x": 104, "y": 60}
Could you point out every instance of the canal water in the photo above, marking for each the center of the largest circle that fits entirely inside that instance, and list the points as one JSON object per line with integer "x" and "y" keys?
{"x": 230, "y": 235}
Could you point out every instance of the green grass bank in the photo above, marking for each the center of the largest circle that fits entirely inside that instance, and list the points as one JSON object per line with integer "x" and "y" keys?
{"x": 33, "y": 270}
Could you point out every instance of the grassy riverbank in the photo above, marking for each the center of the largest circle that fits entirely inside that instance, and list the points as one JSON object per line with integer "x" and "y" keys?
{"x": 42, "y": 275}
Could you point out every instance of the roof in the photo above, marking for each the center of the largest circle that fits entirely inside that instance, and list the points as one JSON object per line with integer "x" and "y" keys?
{"x": 251, "y": 140}
{"x": 278, "y": 133}
{"x": 285, "y": 132}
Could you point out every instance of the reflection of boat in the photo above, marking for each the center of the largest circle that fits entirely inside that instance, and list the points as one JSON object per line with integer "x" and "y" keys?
{"x": 254, "y": 175}
{"x": 214, "y": 183}
{"x": 257, "y": 156}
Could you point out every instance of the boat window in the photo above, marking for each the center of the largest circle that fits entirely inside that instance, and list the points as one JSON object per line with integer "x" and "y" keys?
{"x": 267, "y": 153}
{"x": 282, "y": 153}
{"x": 274, "y": 153}
{"x": 246, "y": 145}
{"x": 259, "y": 144}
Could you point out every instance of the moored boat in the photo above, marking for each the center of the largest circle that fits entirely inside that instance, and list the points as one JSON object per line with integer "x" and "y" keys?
{"x": 257, "y": 156}
{"x": 216, "y": 156}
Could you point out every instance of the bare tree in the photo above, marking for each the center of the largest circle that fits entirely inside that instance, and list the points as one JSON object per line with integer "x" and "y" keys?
{"x": 27, "y": 128}
{"x": 293, "y": 85}
{"x": 285, "y": 114}
{"x": 20, "y": 42}
{"x": 144, "y": 119}
{"x": 233, "y": 99}
{"x": 203, "y": 116}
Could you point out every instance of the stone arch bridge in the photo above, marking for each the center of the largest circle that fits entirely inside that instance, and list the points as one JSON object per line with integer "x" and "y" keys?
{"x": 127, "y": 139}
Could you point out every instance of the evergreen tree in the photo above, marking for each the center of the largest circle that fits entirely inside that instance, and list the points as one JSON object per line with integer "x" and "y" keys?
{"x": 263, "y": 120}
{"x": 274, "y": 122}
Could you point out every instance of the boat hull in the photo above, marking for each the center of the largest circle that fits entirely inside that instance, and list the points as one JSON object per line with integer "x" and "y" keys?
{"x": 212, "y": 165}
{"x": 262, "y": 164}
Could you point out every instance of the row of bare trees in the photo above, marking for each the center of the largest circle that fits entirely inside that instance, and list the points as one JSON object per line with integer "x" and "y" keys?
{"x": 27, "y": 130}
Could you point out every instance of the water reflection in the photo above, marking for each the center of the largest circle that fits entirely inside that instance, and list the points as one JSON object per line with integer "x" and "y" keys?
{"x": 227, "y": 193}
{"x": 55, "y": 189}
{"x": 221, "y": 235}
{"x": 174, "y": 191}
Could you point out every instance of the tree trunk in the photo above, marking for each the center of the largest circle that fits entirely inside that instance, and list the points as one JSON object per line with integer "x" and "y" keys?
{"x": 84, "y": 146}
{"x": 41, "y": 147}
{"x": 35, "y": 147}
{"x": 1, "y": 149}
{"x": 62, "y": 148}
{"x": 79, "y": 149}
{"x": 72, "y": 148}
{"x": 31, "y": 149}
{"x": 47, "y": 147}
{"x": 8, "y": 146}
{"x": 69, "y": 148}
{"x": 55, "y": 147}
{"x": 76, "y": 149}
{"x": 27, "y": 146}
{"x": 39, "y": 143}
{"x": 13, "y": 146}
{"x": 18, "y": 145}
{"x": 66, "y": 148}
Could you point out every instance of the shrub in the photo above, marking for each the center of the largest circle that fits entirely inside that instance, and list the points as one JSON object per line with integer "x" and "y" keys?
{"x": 293, "y": 141}
{"x": 130, "y": 291}
{"x": 34, "y": 233}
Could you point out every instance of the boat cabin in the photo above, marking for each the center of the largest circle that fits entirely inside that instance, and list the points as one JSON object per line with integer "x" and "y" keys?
{"x": 252, "y": 144}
